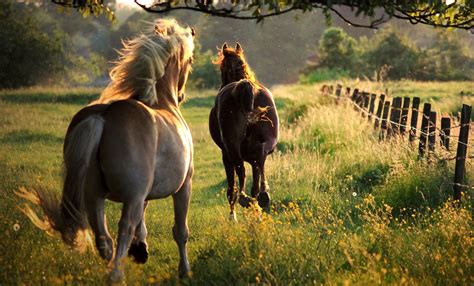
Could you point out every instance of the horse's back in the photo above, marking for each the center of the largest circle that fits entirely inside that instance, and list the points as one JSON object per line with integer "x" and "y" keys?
{"x": 229, "y": 126}
{"x": 223, "y": 98}
{"x": 127, "y": 148}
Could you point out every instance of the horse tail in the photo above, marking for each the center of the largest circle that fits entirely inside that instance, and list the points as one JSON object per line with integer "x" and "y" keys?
{"x": 244, "y": 91}
{"x": 68, "y": 215}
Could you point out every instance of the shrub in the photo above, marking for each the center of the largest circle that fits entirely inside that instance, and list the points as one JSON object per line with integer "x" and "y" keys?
{"x": 393, "y": 56}
{"x": 323, "y": 74}
{"x": 205, "y": 73}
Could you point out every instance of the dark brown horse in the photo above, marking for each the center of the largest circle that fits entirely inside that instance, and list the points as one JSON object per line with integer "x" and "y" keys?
{"x": 244, "y": 124}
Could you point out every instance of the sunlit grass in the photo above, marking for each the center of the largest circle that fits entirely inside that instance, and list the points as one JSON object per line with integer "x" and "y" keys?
{"x": 347, "y": 208}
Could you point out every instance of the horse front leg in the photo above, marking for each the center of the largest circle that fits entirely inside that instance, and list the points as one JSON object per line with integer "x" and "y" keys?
{"x": 256, "y": 179}
{"x": 132, "y": 215}
{"x": 181, "y": 201}
{"x": 231, "y": 191}
{"x": 263, "y": 197}
{"x": 139, "y": 247}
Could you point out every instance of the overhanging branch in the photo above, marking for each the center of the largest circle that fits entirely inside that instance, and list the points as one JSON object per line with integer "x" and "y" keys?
{"x": 429, "y": 12}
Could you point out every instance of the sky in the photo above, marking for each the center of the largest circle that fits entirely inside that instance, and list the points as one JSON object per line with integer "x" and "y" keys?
{"x": 131, "y": 3}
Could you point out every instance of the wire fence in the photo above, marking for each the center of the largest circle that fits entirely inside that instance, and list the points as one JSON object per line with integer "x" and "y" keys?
{"x": 391, "y": 120}
{"x": 398, "y": 124}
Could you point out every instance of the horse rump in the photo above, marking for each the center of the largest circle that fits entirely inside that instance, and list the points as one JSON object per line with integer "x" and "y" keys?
{"x": 67, "y": 215}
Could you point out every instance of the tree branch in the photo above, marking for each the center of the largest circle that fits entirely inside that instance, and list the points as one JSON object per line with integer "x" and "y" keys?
{"x": 429, "y": 12}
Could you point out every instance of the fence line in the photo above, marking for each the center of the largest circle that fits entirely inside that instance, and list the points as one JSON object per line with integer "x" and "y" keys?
{"x": 427, "y": 134}
{"x": 396, "y": 125}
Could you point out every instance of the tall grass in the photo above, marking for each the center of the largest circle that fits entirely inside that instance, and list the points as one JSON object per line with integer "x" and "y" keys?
{"x": 347, "y": 208}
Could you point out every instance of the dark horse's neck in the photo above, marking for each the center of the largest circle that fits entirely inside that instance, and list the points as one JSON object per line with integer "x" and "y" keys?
{"x": 226, "y": 79}
{"x": 230, "y": 76}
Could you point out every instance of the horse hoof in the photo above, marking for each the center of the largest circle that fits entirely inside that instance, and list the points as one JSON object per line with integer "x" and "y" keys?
{"x": 116, "y": 277}
{"x": 139, "y": 252}
{"x": 184, "y": 271}
{"x": 263, "y": 200}
{"x": 245, "y": 201}
{"x": 233, "y": 217}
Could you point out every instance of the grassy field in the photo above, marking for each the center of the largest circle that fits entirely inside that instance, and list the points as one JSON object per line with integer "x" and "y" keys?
{"x": 347, "y": 209}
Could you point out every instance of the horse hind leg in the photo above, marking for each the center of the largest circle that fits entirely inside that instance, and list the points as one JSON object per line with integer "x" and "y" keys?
{"x": 132, "y": 215}
{"x": 180, "y": 229}
{"x": 97, "y": 221}
{"x": 232, "y": 194}
{"x": 94, "y": 199}
{"x": 244, "y": 200}
{"x": 139, "y": 247}
{"x": 256, "y": 179}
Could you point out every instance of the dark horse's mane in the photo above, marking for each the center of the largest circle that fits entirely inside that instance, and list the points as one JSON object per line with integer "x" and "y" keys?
{"x": 236, "y": 67}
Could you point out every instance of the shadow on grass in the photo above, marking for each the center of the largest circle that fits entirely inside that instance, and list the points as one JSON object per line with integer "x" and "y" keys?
{"x": 65, "y": 98}
{"x": 25, "y": 137}
{"x": 200, "y": 102}
{"x": 209, "y": 102}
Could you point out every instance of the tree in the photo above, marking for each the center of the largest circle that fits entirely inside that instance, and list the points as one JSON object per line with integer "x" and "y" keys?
{"x": 446, "y": 59}
{"x": 337, "y": 50}
{"x": 393, "y": 57}
{"x": 459, "y": 14}
{"x": 27, "y": 54}
{"x": 204, "y": 74}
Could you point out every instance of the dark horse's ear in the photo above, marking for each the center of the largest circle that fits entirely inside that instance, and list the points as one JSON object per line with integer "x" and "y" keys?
{"x": 224, "y": 50}
{"x": 160, "y": 31}
{"x": 238, "y": 48}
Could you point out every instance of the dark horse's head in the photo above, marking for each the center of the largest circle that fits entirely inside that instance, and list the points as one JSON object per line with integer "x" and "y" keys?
{"x": 233, "y": 65}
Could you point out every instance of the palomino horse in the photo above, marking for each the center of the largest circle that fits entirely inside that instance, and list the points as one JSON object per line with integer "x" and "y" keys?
{"x": 244, "y": 124}
{"x": 132, "y": 145}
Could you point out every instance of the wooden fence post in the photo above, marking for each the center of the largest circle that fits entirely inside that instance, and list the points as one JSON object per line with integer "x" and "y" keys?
{"x": 462, "y": 151}
{"x": 348, "y": 91}
{"x": 390, "y": 119}
{"x": 371, "y": 105}
{"x": 383, "y": 124}
{"x": 366, "y": 101}
{"x": 378, "y": 115}
{"x": 338, "y": 93}
{"x": 395, "y": 116}
{"x": 355, "y": 94}
{"x": 365, "y": 104}
{"x": 432, "y": 132}
{"x": 338, "y": 90}
{"x": 445, "y": 132}
{"x": 360, "y": 99}
{"x": 404, "y": 118}
{"x": 414, "y": 118}
{"x": 424, "y": 129}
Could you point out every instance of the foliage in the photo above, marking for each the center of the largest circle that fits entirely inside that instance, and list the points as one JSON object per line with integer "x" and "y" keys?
{"x": 205, "y": 74}
{"x": 447, "y": 59}
{"x": 323, "y": 74}
{"x": 27, "y": 54}
{"x": 38, "y": 50}
{"x": 435, "y": 13}
{"x": 389, "y": 55}
{"x": 392, "y": 57}
{"x": 337, "y": 49}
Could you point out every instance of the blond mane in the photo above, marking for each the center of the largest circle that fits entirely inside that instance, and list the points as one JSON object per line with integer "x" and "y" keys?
{"x": 143, "y": 60}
